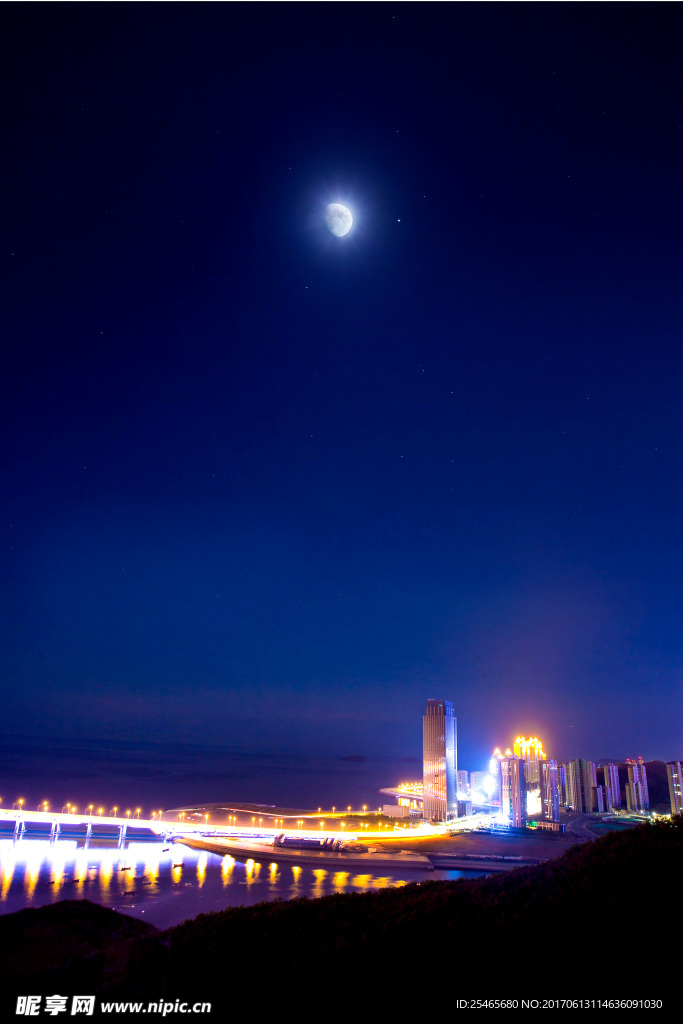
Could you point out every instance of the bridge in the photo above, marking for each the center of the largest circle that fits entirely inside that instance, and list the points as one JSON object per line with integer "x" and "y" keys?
{"x": 95, "y": 824}
{"x": 101, "y": 825}
{"x": 106, "y": 825}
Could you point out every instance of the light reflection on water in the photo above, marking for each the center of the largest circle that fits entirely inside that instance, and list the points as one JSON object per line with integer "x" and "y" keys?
{"x": 164, "y": 885}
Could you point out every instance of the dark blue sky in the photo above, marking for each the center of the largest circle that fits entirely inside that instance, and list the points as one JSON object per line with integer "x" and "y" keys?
{"x": 264, "y": 486}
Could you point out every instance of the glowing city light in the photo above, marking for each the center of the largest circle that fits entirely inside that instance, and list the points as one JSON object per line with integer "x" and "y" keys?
{"x": 529, "y": 749}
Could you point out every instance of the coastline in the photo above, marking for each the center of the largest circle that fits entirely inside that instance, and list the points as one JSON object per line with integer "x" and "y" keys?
{"x": 337, "y": 858}
{"x": 265, "y": 853}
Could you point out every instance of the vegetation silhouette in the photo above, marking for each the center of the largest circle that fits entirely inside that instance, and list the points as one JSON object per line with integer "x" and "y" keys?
{"x": 551, "y": 930}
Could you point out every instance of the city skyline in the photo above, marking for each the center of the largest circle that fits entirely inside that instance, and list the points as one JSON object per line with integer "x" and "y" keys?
{"x": 267, "y": 485}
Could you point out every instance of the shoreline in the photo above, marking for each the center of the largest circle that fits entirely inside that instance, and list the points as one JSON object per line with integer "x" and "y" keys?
{"x": 338, "y": 858}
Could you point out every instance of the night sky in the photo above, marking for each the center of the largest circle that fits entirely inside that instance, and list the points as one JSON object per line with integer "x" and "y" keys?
{"x": 272, "y": 488}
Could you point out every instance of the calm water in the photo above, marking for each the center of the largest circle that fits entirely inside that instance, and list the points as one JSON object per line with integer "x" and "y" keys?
{"x": 165, "y": 888}
{"x": 168, "y": 887}
{"x": 158, "y": 775}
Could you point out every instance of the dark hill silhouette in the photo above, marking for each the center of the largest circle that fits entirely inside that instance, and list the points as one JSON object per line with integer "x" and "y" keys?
{"x": 535, "y": 930}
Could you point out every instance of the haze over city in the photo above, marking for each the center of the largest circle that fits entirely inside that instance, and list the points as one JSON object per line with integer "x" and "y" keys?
{"x": 272, "y": 486}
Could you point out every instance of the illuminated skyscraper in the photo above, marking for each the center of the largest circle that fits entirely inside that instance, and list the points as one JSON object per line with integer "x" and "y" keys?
{"x": 562, "y": 783}
{"x": 439, "y": 757}
{"x": 632, "y": 801}
{"x": 550, "y": 791}
{"x": 464, "y": 789}
{"x": 673, "y": 771}
{"x": 513, "y": 790}
{"x": 581, "y": 786}
{"x": 611, "y": 774}
{"x": 478, "y": 785}
{"x": 637, "y": 796}
{"x": 604, "y": 794}
{"x": 643, "y": 782}
{"x": 531, "y": 752}
{"x": 494, "y": 770}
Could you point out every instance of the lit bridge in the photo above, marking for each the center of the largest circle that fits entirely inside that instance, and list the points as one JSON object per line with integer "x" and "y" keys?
{"x": 106, "y": 826}
{"x": 101, "y": 825}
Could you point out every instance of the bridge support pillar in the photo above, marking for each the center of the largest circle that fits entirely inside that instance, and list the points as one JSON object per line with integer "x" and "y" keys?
{"x": 19, "y": 828}
{"x": 122, "y": 834}
{"x": 54, "y": 830}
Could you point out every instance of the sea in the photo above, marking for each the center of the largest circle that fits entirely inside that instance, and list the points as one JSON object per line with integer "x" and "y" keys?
{"x": 167, "y": 884}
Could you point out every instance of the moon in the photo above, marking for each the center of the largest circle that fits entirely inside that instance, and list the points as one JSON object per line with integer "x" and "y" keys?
{"x": 339, "y": 219}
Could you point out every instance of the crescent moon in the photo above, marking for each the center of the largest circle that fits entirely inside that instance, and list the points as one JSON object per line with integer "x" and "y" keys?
{"x": 338, "y": 219}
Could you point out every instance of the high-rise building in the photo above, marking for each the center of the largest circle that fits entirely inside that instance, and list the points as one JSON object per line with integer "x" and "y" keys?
{"x": 632, "y": 795}
{"x": 606, "y": 794}
{"x": 574, "y": 791}
{"x": 637, "y": 796}
{"x": 562, "y": 784}
{"x": 439, "y": 761}
{"x": 550, "y": 791}
{"x": 494, "y": 769}
{"x": 611, "y": 776}
{"x": 643, "y": 782}
{"x": 513, "y": 790}
{"x": 673, "y": 772}
{"x": 464, "y": 791}
{"x": 531, "y": 752}
{"x": 480, "y": 786}
{"x": 581, "y": 786}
